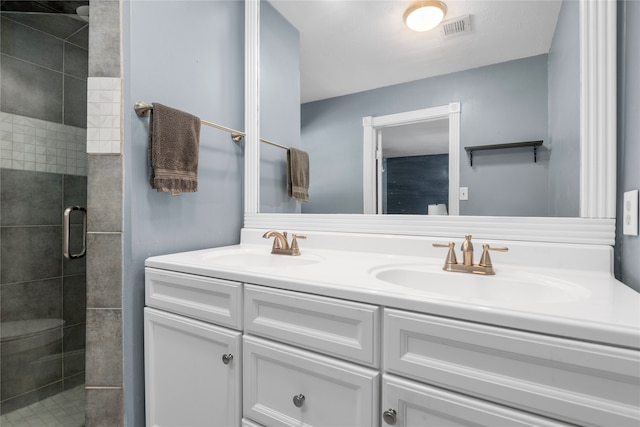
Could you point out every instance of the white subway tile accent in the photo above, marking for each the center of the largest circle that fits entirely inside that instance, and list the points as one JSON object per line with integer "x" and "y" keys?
{"x": 38, "y": 145}
{"x": 103, "y": 115}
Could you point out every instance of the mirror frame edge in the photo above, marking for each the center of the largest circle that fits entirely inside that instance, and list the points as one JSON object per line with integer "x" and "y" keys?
{"x": 598, "y": 121}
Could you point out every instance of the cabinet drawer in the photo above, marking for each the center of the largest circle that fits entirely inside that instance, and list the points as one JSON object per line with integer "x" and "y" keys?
{"x": 336, "y": 393}
{"x": 212, "y": 300}
{"x": 339, "y": 328}
{"x": 410, "y": 404}
{"x": 187, "y": 381}
{"x": 577, "y": 382}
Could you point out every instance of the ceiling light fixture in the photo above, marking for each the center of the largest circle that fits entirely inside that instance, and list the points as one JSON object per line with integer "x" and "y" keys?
{"x": 424, "y": 15}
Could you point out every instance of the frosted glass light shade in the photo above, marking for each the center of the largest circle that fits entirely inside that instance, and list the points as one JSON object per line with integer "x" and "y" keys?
{"x": 425, "y": 15}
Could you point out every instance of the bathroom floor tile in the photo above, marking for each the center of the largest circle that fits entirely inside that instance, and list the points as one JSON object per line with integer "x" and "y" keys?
{"x": 64, "y": 409}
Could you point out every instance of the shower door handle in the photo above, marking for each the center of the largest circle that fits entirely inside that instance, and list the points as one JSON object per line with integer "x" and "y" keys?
{"x": 67, "y": 231}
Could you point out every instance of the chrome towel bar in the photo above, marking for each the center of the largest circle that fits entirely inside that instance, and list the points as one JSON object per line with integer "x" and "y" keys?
{"x": 142, "y": 109}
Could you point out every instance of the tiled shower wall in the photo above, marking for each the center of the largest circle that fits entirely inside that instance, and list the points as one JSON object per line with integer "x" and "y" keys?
{"x": 104, "y": 382}
{"x": 43, "y": 84}
{"x": 39, "y": 287}
{"x": 415, "y": 182}
{"x": 43, "y": 107}
{"x": 43, "y": 77}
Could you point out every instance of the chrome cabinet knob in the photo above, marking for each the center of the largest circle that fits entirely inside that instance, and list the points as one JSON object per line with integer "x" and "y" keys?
{"x": 227, "y": 358}
{"x": 389, "y": 416}
{"x": 298, "y": 400}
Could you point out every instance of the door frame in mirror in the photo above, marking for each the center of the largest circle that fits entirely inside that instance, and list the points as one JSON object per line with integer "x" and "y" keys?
{"x": 598, "y": 121}
{"x": 373, "y": 125}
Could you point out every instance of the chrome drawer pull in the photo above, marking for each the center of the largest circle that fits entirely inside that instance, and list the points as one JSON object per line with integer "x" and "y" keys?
{"x": 298, "y": 400}
{"x": 227, "y": 358}
{"x": 389, "y": 416}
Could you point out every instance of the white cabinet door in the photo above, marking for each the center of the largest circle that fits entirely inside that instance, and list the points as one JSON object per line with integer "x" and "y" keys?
{"x": 286, "y": 386}
{"x": 410, "y": 404}
{"x": 192, "y": 372}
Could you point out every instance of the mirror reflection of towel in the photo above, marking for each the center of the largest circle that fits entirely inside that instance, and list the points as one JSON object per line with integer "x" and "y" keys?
{"x": 174, "y": 138}
{"x": 298, "y": 174}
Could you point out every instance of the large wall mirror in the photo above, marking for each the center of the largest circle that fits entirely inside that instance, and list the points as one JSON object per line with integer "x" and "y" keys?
{"x": 545, "y": 81}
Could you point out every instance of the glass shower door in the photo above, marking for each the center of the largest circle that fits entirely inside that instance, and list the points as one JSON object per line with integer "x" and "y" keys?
{"x": 43, "y": 170}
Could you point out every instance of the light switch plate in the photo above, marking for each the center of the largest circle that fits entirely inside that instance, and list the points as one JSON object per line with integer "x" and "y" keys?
{"x": 630, "y": 213}
{"x": 464, "y": 193}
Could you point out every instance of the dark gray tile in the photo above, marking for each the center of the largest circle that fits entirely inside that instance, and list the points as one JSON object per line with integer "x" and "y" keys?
{"x": 81, "y": 38}
{"x": 74, "y": 299}
{"x": 30, "y": 198}
{"x": 104, "y": 407}
{"x": 75, "y": 191}
{"x": 27, "y": 399}
{"x": 60, "y": 26}
{"x": 104, "y": 193}
{"x": 73, "y": 365}
{"x": 30, "y": 363}
{"x": 104, "y": 44}
{"x": 30, "y": 90}
{"x": 104, "y": 348}
{"x": 104, "y": 270}
{"x": 22, "y": 42}
{"x": 73, "y": 350}
{"x": 75, "y": 102}
{"x": 74, "y": 381}
{"x": 30, "y": 253}
{"x": 31, "y": 300}
{"x": 76, "y": 61}
{"x": 73, "y": 338}
{"x": 59, "y": 6}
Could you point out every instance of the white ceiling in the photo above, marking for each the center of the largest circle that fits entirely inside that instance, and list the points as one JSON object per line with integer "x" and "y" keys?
{"x": 416, "y": 139}
{"x": 349, "y": 46}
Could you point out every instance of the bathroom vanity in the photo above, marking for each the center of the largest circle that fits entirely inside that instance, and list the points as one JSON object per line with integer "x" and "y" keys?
{"x": 364, "y": 330}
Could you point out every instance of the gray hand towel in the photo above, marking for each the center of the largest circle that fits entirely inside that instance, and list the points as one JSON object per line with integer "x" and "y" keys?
{"x": 298, "y": 174}
{"x": 174, "y": 139}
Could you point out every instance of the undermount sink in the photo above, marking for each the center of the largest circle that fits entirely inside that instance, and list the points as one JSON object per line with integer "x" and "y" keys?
{"x": 258, "y": 258}
{"x": 507, "y": 286}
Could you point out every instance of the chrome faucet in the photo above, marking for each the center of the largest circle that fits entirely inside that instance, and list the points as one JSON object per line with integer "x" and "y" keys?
{"x": 281, "y": 245}
{"x": 485, "y": 265}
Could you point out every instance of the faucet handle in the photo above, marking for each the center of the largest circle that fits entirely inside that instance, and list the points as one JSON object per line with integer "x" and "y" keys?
{"x": 294, "y": 243}
{"x": 294, "y": 240}
{"x": 451, "y": 255}
{"x": 485, "y": 260}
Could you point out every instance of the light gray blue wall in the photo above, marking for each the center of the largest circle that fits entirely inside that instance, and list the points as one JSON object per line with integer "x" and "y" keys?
{"x": 564, "y": 114}
{"x": 189, "y": 55}
{"x": 279, "y": 106}
{"x": 627, "y": 250}
{"x": 500, "y": 103}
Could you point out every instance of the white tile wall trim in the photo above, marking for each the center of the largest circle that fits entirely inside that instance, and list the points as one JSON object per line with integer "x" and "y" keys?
{"x": 38, "y": 145}
{"x": 103, "y": 115}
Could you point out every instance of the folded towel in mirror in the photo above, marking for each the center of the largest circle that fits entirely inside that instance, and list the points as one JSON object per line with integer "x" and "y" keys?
{"x": 298, "y": 174}
{"x": 174, "y": 139}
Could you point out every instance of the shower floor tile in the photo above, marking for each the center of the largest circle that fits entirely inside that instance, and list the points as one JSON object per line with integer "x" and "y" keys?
{"x": 65, "y": 409}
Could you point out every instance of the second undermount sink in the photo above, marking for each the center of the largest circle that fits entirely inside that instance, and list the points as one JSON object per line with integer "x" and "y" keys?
{"x": 509, "y": 285}
{"x": 259, "y": 258}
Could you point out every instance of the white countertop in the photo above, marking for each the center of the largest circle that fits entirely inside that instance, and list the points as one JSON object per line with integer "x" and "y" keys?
{"x": 574, "y": 295}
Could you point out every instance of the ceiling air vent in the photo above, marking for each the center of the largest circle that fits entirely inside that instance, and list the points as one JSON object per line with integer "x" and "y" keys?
{"x": 455, "y": 26}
